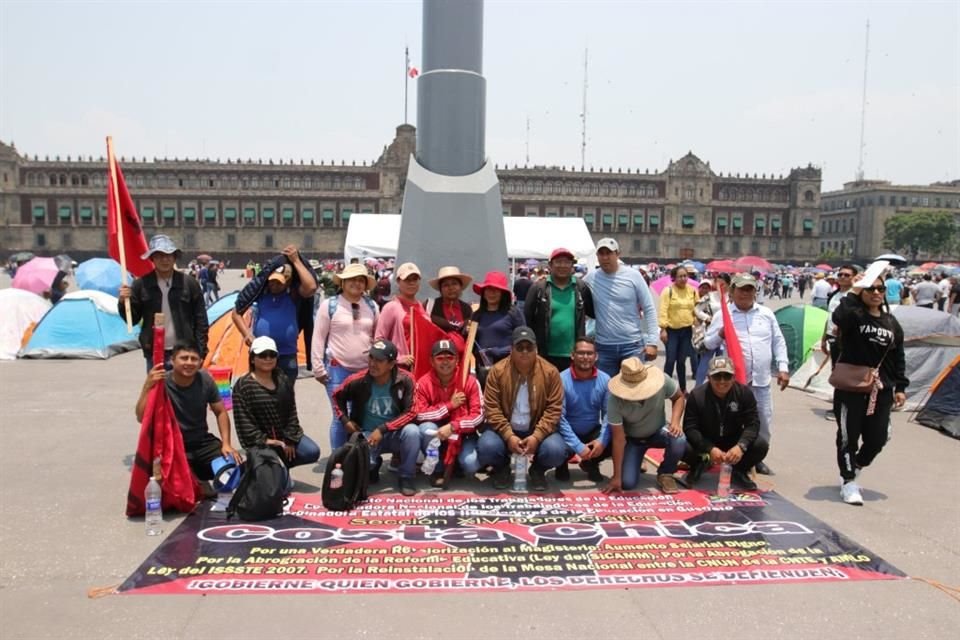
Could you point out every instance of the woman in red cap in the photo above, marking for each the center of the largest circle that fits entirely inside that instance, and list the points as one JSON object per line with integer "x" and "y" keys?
{"x": 496, "y": 319}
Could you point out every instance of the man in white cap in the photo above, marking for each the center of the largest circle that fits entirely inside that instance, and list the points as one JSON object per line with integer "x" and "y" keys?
{"x": 289, "y": 285}
{"x": 722, "y": 425}
{"x": 619, "y": 293}
{"x": 763, "y": 345}
{"x": 635, "y": 411}
{"x": 168, "y": 291}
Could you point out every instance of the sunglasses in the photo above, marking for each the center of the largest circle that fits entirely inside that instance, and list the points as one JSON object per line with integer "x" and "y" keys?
{"x": 722, "y": 377}
{"x": 524, "y": 347}
{"x": 355, "y": 309}
{"x": 876, "y": 289}
{"x": 266, "y": 355}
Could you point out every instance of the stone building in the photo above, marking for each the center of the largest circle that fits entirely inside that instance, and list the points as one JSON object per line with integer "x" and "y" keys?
{"x": 240, "y": 208}
{"x": 852, "y": 219}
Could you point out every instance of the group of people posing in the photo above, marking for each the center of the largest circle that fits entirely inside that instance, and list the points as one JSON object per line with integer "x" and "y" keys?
{"x": 542, "y": 386}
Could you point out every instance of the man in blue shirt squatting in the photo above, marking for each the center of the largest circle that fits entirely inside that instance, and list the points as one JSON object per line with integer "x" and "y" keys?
{"x": 379, "y": 402}
{"x": 278, "y": 296}
{"x": 619, "y": 294}
{"x": 583, "y": 424}
{"x": 762, "y": 342}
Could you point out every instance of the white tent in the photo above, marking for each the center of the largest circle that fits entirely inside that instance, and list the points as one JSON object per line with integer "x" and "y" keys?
{"x": 376, "y": 235}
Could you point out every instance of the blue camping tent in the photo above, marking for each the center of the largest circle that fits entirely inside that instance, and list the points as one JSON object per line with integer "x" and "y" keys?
{"x": 84, "y": 324}
{"x": 221, "y": 306}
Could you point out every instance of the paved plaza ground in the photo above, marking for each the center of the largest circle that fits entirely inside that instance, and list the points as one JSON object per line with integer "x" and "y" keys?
{"x": 69, "y": 434}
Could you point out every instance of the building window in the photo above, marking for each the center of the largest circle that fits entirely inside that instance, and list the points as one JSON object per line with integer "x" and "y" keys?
{"x": 808, "y": 196}
{"x": 249, "y": 215}
{"x": 268, "y": 240}
{"x": 808, "y": 227}
{"x": 287, "y": 216}
{"x": 775, "y": 226}
{"x": 688, "y": 221}
{"x": 41, "y": 240}
{"x": 607, "y": 221}
{"x": 774, "y": 247}
{"x": 39, "y": 212}
{"x": 638, "y": 221}
{"x": 230, "y": 215}
{"x": 190, "y": 240}
{"x": 210, "y": 214}
{"x": 754, "y": 247}
{"x": 65, "y": 212}
{"x": 86, "y": 215}
{"x": 720, "y": 247}
{"x": 637, "y": 245}
{"x": 328, "y": 217}
{"x": 308, "y": 241}
{"x": 306, "y": 215}
{"x": 654, "y": 223}
{"x": 759, "y": 224}
{"x": 623, "y": 220}
{"x": 231, "y": 241}
{"x": 735, "y": 247}
{"x": 737, "y": 224}
{"x": 66, "y": 239}
{"x": 169, "y": 213}
{"x": 653, "y": 246}
{"x": 588, "y": 218}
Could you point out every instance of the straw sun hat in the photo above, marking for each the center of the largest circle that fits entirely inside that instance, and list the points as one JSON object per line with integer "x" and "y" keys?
{"x": 635, "y": 381}
{"x": 354, "y": 271}
{"x": 450, "y": 272}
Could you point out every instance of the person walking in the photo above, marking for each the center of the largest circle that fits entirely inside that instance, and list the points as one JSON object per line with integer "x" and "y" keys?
{"x": 676, "y": 319}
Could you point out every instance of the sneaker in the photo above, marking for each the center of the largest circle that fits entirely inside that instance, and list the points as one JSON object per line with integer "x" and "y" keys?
{"x": 742, "y": 480}
{"x": 850, "y": 493}
{"x": 406, "y": 487}
{"x": 538, "y": 481}
{"x": 502, "y": 477}
{"x": 592, "y": 470}
{"x": 763, "y": 469}
{"x": 562, "y": 473}
{"x": 667, "y": 483}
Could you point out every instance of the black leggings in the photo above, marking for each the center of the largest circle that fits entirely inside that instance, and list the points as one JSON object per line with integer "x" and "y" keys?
{"x": 854, "y": 426}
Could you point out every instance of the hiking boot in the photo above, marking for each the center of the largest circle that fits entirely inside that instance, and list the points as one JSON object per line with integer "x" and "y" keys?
{"x": 696, "y": 470}
{"x": 538, "y": 481}
{"x": 850, "y": 493}
{"x": 740, "y": 479}
{"x": 406, "y": 487}
{"x": 562, "y": 473}
{"x": 592, "y": 469}
{"x": 501, "y": 477}
{"x": 763, "y": 469}
{"x": 667, "y": 483}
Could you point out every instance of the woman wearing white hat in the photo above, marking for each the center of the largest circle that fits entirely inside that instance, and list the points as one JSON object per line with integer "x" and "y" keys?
{"x": 344, "y": 328}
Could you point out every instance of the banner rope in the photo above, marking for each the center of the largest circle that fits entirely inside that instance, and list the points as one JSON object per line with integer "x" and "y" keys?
{"x": 953, "y": 592}
{"x": 99, "y": 592}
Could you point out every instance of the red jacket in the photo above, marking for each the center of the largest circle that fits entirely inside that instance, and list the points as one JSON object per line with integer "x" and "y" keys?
{"x": 432, "y": 404}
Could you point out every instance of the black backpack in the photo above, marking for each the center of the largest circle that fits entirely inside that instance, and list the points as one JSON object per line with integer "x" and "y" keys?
{"x": 354, "y": 460}
{"x": 262, "y": 489}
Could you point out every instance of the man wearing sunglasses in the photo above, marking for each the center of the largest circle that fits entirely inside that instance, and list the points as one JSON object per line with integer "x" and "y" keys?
{"x": 722, "y": 425}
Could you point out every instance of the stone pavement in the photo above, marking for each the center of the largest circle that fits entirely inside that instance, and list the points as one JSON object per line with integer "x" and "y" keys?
{"x": 69, "y": 433}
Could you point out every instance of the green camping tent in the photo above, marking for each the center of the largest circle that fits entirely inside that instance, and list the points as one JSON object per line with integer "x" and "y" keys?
{"x": 802, "y": 326}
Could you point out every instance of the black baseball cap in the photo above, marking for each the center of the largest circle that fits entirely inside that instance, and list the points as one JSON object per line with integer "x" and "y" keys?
{"x": 524, "y": 334}
{"x": 383, "y": 350}
{"x": 443, "y": 346}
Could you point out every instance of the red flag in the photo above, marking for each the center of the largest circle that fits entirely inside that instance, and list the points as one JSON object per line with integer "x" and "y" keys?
{"x": 734, "y": 350}
{"x": 134, "y": 243}
{"x": 425, "y": 333}
{"x": 413, "y": 72}
{"x": 160, "y": 437}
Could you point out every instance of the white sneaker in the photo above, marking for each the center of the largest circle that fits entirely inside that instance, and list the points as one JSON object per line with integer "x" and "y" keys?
{"x": 850, "y": 493}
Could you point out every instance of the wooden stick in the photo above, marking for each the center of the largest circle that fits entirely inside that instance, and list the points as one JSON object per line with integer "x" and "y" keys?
{"x": 468, "y": 352}
{"x": 413, "y": 332}
{"x": 112, "y": 162}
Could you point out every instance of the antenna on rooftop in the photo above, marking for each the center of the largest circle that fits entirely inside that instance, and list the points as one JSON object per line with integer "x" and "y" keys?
{"x": 583, "y": 117}
{"x": 528, "y": 140}
{"x": 863, "y": 104}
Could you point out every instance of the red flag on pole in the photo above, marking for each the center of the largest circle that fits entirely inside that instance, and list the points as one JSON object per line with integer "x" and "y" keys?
{"x": 425, "y": 333}
{"x": 413, "y": 72}
{"x": 734, "y": 350}
{"x": 125, "y": 227}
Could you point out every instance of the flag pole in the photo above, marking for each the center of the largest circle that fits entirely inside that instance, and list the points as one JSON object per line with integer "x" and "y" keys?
{"x": 406, "y": 82}
{"x": 112, "y": 162}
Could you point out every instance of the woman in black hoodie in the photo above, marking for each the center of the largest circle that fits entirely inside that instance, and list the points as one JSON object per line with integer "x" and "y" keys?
{"x": 868, "y": 335}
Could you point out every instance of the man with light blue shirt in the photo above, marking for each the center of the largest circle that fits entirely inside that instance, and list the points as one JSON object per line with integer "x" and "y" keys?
{"x": 762, "y": 343}
{"x": 619, "y": 295}
{"x": 583, "y": 424}
{"x": 894, "y": 290}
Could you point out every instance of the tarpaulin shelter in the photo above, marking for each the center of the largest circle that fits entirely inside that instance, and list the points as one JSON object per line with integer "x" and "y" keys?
{"x": 19, "y": 310}
{"x": 802, "y": 327}
{"x": 84, "y": 324}
{"x": 941, "y": 410}
{"x": 377, "y": 235}
{"x": 931, "y": 343}
{"x": 227, "y": 348}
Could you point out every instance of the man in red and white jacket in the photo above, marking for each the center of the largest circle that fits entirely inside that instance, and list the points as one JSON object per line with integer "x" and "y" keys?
{"x": 445, "y": 409}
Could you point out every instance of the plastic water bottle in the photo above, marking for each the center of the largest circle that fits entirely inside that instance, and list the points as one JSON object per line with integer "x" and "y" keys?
{"x": 520, "y": 463}
{"x": 432, "y": 456}
{"x": 336, "y": 477}
{"x": 723, "y": 485}
{"x": 153, "y": 497}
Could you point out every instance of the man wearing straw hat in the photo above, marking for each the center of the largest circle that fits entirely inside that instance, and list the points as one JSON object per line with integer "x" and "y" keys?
{"x": 635, "y": 413}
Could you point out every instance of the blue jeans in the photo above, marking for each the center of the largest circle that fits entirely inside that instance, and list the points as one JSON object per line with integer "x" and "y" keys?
{"x": 307, "y": 452}
{"x": 764, "y": 409}
{"x": 703, "y": 360}
{"x": 492, "y": 450}
{"x": 338, "y": 433}
{"x": 288, "y": 364}
{"x": 636, "y": 448}
{"x": 468, "y": 457}
{"x": 679, "y": 348}
{"x": 609, "y": 356}
{"x": 405, "y": 443}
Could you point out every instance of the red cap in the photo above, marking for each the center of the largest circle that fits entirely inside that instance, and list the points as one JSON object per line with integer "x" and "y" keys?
{"x": 562, "y": 252}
